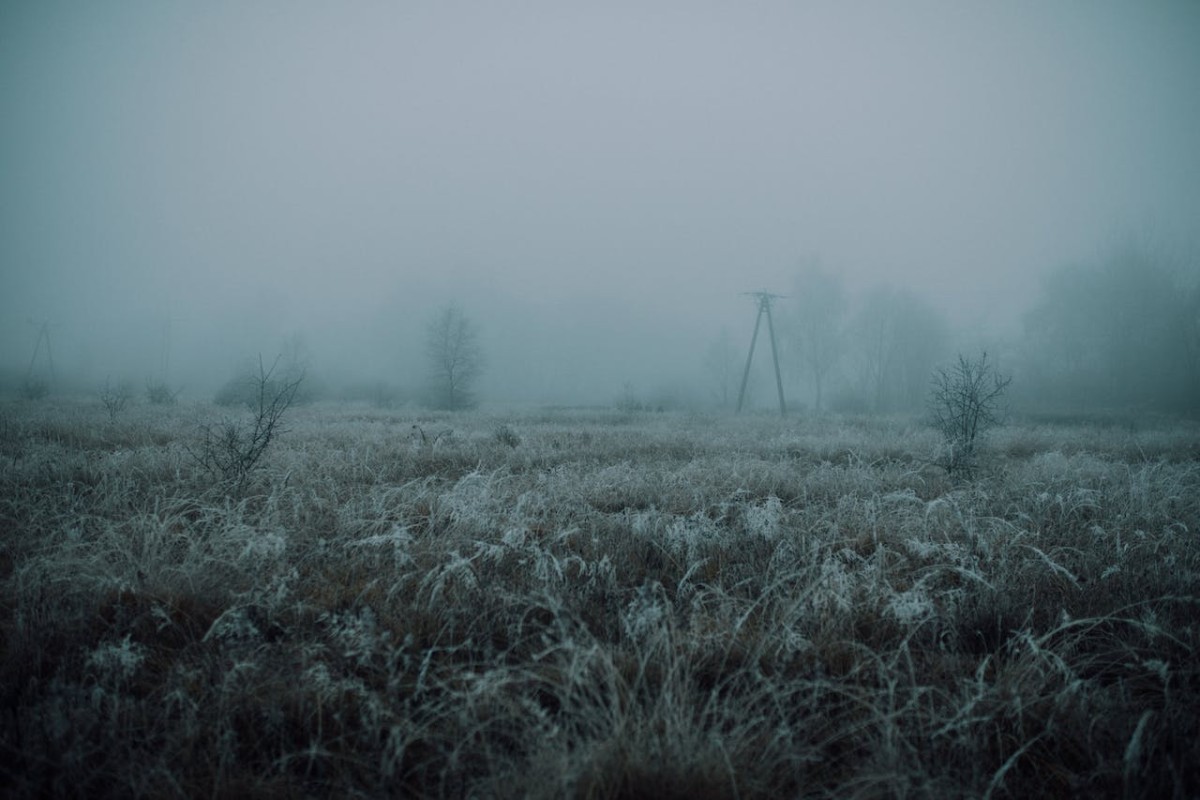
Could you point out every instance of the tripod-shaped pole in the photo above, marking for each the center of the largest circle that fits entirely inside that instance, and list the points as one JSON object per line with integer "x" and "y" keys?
{"x": 764, "y": 307}
{"x": 43, "y": 334}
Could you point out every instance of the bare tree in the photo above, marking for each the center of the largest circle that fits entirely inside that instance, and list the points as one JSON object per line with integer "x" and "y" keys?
{"x": 721, "y": 363}
{"x": 898, "y": 338}
{"x": 819, "y": 303}
{"x": 1188, "y": 327}
{"x": 1118, "y": 331}
{"x": 297, "y": 360}
{"x": 455, "y": 358}
{"x": 964, "y": 401}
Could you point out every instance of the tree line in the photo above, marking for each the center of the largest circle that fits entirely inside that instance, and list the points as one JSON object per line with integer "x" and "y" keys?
{"x": 454, "y": 360}
{"x": 876, "y": 358}
{"x": 1120, "y": 332}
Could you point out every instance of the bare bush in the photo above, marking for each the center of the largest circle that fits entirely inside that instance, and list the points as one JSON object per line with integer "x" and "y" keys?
{"x": 158, "y": 393}
{"x": 964, "y": 401}
{"x": 231, "y": 448}
{"x": 115, "y": 398}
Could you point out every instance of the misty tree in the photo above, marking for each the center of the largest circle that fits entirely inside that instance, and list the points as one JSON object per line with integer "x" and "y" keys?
{"x": 819, "y": 308}
{"x": 455, "y": 359}
{"x": 873, "y": 346}
{"x": 1187, "y": 325}
{"x": 897, "y": 339}
{"x": 296, "y": 360}
{"x": 1120, "y": 332}
{"x": 720, "y": 361}
{"x": 159, "y": 393}
{"x": 290, "y": 368}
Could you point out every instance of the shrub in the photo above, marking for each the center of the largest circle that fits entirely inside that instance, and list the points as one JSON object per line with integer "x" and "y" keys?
{"x": 158, "y": 393}
{"x": 239, "y": 390}
{"x": 115, "y": 398}
{"x": 963, "y": 403}
{"x": 231, "y": 448}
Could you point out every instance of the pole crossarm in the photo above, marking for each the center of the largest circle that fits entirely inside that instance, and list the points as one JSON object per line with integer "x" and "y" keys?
{"x": 764, "y": 297}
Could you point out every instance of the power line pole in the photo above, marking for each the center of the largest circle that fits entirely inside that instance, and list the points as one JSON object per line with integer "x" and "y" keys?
{"x": 764, "y": 307}
{"x": 43, "y": 334}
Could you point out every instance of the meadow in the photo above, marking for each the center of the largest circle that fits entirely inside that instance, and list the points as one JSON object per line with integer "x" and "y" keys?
{"x": 596, "y": 604}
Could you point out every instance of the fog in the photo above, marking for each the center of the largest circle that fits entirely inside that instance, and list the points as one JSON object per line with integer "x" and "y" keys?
{"x": 185, "y": 185}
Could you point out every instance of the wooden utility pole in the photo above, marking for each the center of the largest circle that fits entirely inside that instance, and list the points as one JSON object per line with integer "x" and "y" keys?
{"x": 764, "y": 307}
{"x": 43, "y": 335}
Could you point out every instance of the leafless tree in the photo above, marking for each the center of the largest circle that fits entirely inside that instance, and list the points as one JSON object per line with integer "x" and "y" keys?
{"x": 897, "y": 338}
{"x": 819, "y": 305}
{"x": 721, "y": 363}
{"x": 455, "y": 358}
{"x": 1188, "y": 326}
{"x": 1122, "y": 330}
{"x": 964, "y": 401}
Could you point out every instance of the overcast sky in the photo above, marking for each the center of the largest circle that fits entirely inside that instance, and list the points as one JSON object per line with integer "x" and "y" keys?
{"x": 594, "y": 183}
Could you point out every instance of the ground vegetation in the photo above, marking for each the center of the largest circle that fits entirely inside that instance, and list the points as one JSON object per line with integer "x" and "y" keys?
{"x": 596, "y": 604}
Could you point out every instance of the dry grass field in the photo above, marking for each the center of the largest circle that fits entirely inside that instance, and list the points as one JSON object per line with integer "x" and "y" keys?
{"x": 593, "y": 604}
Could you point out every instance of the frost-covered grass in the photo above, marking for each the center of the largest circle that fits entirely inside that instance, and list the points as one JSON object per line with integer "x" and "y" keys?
{"x": 596, "y": 605}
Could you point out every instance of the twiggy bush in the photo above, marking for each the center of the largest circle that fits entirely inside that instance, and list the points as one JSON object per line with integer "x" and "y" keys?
{"x": 231, "y": 447}
{"x": 158, "y": 393}
{"x": 115, "y": 398}
{"x": 964, "y": 402}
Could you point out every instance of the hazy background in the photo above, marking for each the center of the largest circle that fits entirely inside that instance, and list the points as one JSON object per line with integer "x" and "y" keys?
{"x": 593, "y": 183}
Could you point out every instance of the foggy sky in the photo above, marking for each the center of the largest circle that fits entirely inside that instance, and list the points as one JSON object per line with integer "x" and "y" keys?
{"x": 593, "y": 183}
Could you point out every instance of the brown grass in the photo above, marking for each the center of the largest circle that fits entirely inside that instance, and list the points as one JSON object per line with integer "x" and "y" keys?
{"x": 615, "y": 606}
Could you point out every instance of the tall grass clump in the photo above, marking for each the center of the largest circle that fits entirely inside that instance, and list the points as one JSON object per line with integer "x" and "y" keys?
{"x": 649, "y": 606}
